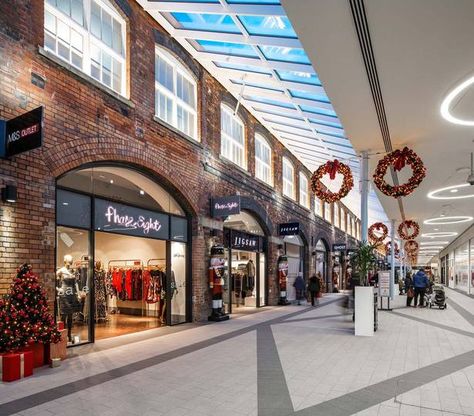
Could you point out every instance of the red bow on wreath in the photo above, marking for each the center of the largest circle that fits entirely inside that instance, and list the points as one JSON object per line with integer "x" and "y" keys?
{"x": 332, "y": 168}
{"x": 400, "y": 158}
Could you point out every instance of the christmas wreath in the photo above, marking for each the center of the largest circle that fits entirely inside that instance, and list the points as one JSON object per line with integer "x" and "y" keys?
{"x": 399, "y": 159}
{"x": 411, "y": 247}
{"x": 378, "y": 226}
{"x": 332, "y": 168}
{"x": 407, "y": 225}
{"x": 388, "y": 248}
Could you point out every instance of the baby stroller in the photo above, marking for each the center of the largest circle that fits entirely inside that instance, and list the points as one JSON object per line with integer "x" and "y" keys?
{"x": 437, "y": 297}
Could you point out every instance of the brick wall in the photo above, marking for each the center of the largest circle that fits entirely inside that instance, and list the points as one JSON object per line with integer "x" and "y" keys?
{"x": 84, "y": 124}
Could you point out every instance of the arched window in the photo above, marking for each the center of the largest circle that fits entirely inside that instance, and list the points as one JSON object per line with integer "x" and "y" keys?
{"x": 89, "y": 35}
{"x": 263, "y": 160}
{"x": 176, "y": 93}
{"x": 336, "y": 215}
{"x": 318, "y": 207}
{"x": 288, "y": 173}
{"x": 232, "y": 137}
{"x": 304, "y": 196}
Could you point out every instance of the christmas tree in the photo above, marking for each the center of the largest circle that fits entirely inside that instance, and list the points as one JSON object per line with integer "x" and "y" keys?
{"x": 24, "y": 314}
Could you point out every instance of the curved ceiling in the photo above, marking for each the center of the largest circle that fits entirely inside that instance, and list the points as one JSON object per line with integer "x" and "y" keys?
{"x": 423, "y": 49}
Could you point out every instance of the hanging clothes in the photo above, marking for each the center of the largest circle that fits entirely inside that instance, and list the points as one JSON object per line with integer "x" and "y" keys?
{"x": 100, "y": 294}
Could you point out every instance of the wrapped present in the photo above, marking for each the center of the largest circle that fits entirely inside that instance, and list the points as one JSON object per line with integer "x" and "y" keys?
{"x": 16, "y": 365}
{"x": 59, "y": 350}
{"x": 38, "y": 354}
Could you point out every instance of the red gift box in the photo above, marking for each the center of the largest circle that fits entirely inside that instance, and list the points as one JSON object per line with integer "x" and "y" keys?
{"x": 16, "y": 365}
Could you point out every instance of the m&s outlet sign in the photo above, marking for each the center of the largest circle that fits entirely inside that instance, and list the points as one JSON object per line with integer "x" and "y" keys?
{"x": 22, "y": 133}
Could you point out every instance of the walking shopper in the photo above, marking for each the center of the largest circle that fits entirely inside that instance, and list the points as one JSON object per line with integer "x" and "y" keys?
{"x": 299, "y": 286}
{"x": 314, "y": 288}
{"x": 421, "y": 282}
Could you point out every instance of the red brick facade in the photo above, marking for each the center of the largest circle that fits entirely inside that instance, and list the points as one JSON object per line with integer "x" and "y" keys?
{"x": 84, "y": 124}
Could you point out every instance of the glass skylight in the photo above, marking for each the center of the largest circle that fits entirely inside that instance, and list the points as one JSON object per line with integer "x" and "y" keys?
{"x": 252, "y": 49}
{"x": 309, "y": 96}
{"x": 317, "y": 110}
{"x": 206, "y": 22}
{"x": 253, "y": 1}
{"x": 227, "y": 48}
{"x": 257, "y": 85}
{"x": 244, "y": 68}
{"x": 269, "y": 101}
{"x": 302, "y": 77}
{"x": 268, "y": 25}
{"x": 326, "y": 123}
{"x": 284, "y": 54}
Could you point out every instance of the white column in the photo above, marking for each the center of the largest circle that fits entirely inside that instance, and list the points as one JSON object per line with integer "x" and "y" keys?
{"x": 392, "y": 259}
{"x": 364, "y": 196}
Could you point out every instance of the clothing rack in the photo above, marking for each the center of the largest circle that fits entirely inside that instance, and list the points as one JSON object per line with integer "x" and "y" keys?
{"x": 150, "y": 261}
{"x": 124, "y": 263}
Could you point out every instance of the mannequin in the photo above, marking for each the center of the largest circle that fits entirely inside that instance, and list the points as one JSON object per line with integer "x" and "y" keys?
{"x": 68, "y": 294}
{"x": 283, "y": 279}
{"x": 251, "y": 275}
{"x": 217, "y": 271}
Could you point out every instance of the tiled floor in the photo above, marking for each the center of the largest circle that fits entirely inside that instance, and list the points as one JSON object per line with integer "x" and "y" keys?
{"x": 282, "y": 361}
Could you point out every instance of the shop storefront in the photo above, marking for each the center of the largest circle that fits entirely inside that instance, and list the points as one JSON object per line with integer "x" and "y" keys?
{"x": 321, "y": 263}
{"x": 122, "y": 254}
{"x": 457, "y": 267}
{"x": 245, "y": 260}
{"x": 339, "y": 281}
{"x": 295, "y": 254}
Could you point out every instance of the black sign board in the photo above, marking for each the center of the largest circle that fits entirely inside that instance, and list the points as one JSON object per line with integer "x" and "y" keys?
{"x": 123, "y": 219}
{"x": 244, "y": 241}
{"x": 338, "y": 247}
{"x": 289, "y": 228}
{"x": 225, "y": 206}
{"x": 24, "y": 133}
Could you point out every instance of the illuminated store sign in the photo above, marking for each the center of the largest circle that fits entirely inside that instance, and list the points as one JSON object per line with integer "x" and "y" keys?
{"x": 22, "y": 133}
{"x": 290, "y": 228}
{"x": 225, "y": 206}
{"x": 123, "y": 219}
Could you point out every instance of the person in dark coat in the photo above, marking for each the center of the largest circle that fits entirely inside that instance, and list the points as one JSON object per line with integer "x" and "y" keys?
{"x": 420, "y": 282}
{"x": 299, "y": 286}
{"x": 314, "y": 288}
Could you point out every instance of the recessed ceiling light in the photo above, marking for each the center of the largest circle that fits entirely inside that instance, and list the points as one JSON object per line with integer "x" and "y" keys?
{"x": 142, "y": 192}
{"x": 442, "y": 215}
{"x": 66, "y": 203}
{"x": 446, "y": 104}
{"x": 111, "y": 181}
{"x": 438, "y": 193}
{"x": 456, "y": 219}
{"x": 440, "y": 234}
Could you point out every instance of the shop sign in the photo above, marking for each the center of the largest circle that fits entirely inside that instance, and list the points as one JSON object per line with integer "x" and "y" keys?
{"x": 384, "y": 284}
{"x": 338, "y": 247}
{"x": 289, "y": 228}
{"x": 123, "y": 219}
{"x": 225, "y": 206}
{"x": 244, "y": 241}
{"x": 22, "y": 133}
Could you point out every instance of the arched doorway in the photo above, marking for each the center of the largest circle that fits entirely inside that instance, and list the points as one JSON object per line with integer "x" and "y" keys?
{"x": 246, "y": 245}
{"x": 294, "y": 251}
{"x": 321, "y": 263}
{"x": 122, "y": 254}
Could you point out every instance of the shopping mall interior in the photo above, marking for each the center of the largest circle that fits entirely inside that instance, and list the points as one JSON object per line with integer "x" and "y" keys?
{"x": 239, "y": 207}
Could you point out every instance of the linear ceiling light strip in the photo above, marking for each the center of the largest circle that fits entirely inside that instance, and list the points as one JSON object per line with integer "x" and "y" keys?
{"x": 362, "y": 28}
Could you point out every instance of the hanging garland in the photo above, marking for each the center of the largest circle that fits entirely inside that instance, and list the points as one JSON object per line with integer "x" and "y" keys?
{"x": 378, "y": 226}
{"x": 332, "y": 168}
{"x": 399, "y": 159}
{"x": 408, "y": 225}
{"x": 388, "y": 248}
{"x": 411, "y": 247}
